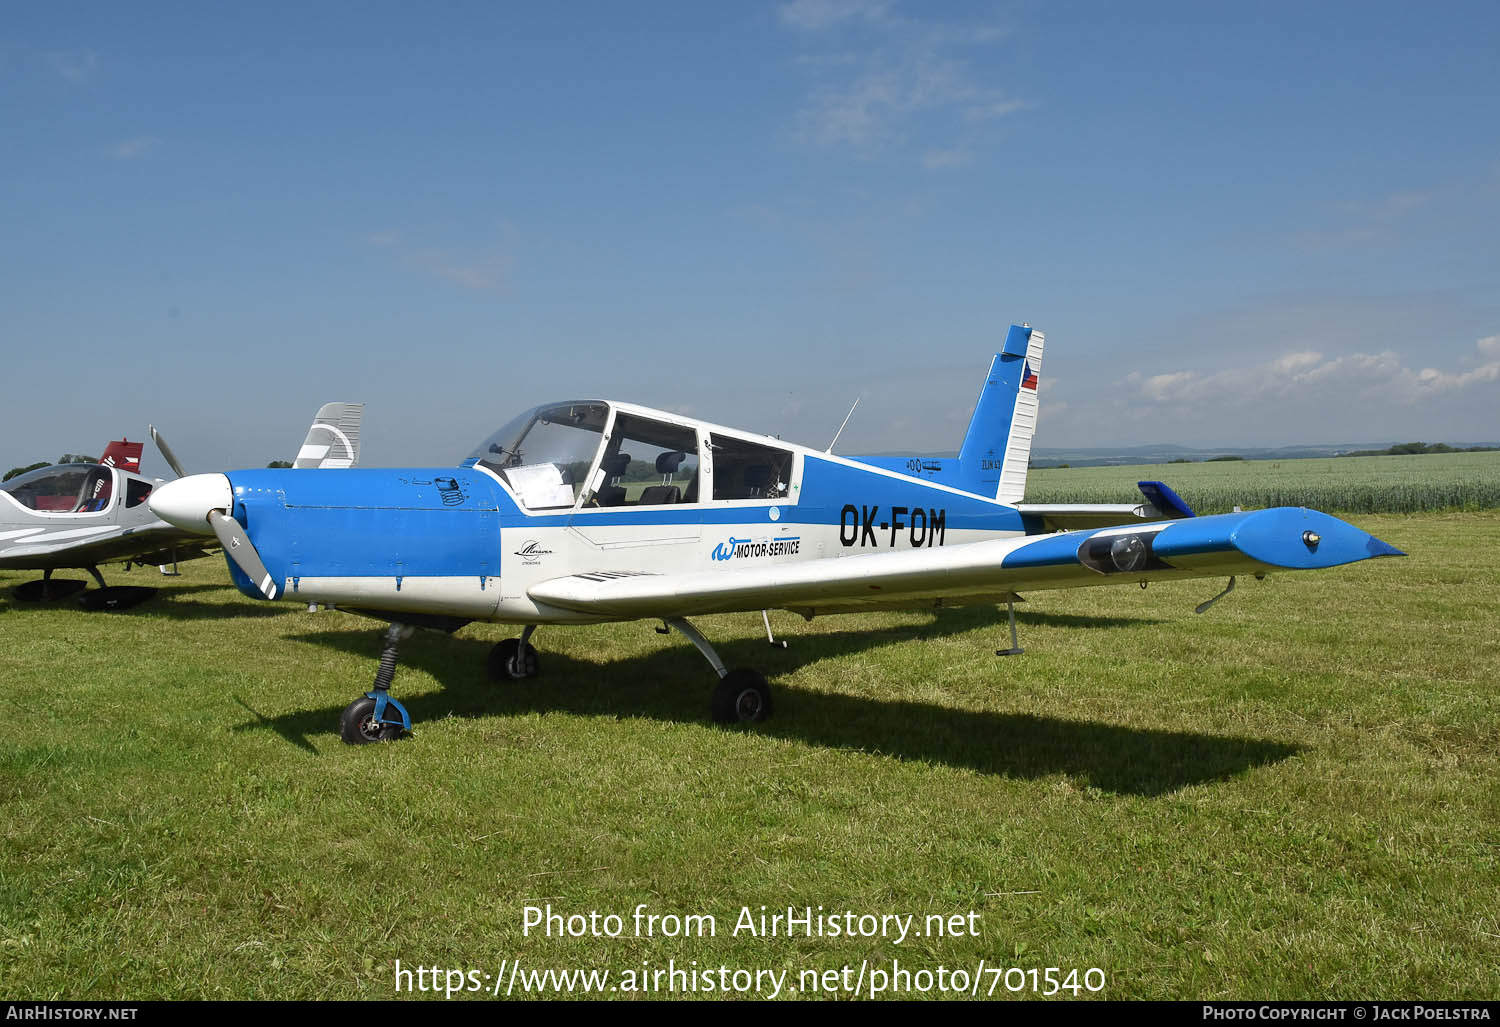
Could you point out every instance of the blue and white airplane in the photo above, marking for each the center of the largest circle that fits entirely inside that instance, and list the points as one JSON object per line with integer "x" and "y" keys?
{"x": 589, "y": 511}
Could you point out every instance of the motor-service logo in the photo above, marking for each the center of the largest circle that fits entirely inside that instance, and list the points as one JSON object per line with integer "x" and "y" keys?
{"x": 531, "y": 552}
{"x": 747, "y": 548}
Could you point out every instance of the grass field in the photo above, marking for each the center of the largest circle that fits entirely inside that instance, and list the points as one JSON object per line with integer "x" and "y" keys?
{"x": 1358, "y": 484}
{"x": 1294, "y": 795}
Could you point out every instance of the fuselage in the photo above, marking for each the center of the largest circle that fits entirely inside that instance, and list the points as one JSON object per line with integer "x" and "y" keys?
{"x": 469, "y": 541}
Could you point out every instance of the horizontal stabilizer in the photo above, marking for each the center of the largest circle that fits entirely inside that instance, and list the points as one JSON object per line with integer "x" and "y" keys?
{"x": 1160, "y": 495}
{"x": 1162, "y": 504}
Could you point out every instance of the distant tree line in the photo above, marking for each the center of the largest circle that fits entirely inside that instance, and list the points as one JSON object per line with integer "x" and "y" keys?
{"x": 78, "y": 458}
{"x": 1418, "y": 449}
{"x": 67, "y": 458}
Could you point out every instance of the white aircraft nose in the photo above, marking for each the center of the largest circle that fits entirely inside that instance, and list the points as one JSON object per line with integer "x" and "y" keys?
{"x": 187, "y": 501}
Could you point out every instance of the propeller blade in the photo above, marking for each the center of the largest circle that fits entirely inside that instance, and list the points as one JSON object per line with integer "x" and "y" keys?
{"x": 237, "y": 545}
{"x": 166, "y": 451}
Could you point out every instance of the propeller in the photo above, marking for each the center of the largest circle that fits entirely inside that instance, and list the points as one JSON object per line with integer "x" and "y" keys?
{"x": 200, "y": 502}
{"x": 237, "y": 544}
{"x": 166, "y": 451}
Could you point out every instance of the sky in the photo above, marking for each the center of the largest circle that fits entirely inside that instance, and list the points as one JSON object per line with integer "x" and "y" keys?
{"x": 1238, "y": 225}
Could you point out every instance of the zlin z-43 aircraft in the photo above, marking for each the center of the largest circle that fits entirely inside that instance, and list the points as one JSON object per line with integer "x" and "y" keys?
{"x": 82, "y": 515}
{"x": 592, "y": 510}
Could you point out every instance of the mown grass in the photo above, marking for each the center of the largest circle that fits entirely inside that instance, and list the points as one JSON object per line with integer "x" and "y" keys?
{"x": 1293, "y": 795}
{"x": 1428, "y": 483}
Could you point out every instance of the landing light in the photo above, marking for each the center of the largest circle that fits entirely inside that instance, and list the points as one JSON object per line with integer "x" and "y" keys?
{"x": 1128, "y": 553}
{"x": 1311, "y": 538}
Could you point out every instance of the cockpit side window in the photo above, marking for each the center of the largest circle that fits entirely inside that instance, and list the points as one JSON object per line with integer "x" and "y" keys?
{"x": 749, "y": 470}
{"x": 647, "y": 463}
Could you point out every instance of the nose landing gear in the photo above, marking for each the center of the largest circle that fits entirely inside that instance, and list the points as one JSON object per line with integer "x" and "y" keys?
{"x": 375, "y": 716}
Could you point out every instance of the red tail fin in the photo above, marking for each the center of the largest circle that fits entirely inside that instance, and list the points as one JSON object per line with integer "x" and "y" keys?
{"x": 124, "y": 455}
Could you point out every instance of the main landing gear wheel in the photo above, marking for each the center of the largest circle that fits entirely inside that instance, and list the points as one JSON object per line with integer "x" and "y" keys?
{"x": 358, "y": 725}
{"x": 741, "y": 697}
{"x": 510, "y": 661}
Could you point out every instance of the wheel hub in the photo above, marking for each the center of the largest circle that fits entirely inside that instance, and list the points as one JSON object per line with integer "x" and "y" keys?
{"x": 747, "y": 705}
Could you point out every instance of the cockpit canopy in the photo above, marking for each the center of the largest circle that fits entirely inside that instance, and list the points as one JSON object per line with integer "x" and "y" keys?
{"x": 63, "y": 488}
{"x": 545, "y": 453}
{"x": 558, "y": 455}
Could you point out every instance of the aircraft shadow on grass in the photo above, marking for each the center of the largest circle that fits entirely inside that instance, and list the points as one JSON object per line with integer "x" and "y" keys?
{"x": 170, "y": 601}
{"x": 668, "y": 685}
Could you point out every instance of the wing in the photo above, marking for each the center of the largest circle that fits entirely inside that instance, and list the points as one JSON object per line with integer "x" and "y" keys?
{"x": 1259, "y": 541}
{"x": 83, "y": 547}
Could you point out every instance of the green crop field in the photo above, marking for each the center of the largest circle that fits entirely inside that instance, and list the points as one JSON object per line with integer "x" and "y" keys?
{"x": 1357, "y": 484}
{"x": 1293, "y": 795}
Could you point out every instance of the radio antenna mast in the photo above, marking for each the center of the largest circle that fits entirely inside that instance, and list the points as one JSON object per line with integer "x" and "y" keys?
{"x": 842, "y": 426}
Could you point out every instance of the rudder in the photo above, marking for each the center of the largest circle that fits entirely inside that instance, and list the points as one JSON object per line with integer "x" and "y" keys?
{"x": 997, "y": 446}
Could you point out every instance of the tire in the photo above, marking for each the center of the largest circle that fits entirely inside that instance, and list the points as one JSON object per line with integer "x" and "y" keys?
{"x": 355, "y": 725}
{"x": 741, "y": 697}
{"x": 502, "y": 665}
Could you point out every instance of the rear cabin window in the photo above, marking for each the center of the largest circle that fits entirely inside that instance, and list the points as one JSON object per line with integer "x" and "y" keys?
{"x": 749, "y": 470}
{"x": 648, "y": 463}
{"x": 136, "y": 491}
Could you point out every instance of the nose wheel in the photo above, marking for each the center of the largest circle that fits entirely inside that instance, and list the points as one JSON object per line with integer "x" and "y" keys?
{"x": 360, "y": 724}
{"x": 375, "y": 716}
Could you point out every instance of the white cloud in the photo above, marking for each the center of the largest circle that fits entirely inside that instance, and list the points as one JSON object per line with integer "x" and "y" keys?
{"x": 951, "y": 157}
{"x": 904, "y": 82}
{"x": 992, "y": 109}
{"x": 76, "y": 66}
{"x": 1308, "y": 377}
{"x": 484, "y": 269}
{"x": 130, "y": 149}
{"x": 481, "y": 273}
{"x": 1296, "y": 361}
{"x": 812, "y": 15}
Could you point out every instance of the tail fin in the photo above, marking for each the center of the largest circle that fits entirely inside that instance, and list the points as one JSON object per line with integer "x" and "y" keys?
{"x": 997, "y": 446}
{"x": 123, "y": 454}
{"x": 333, "y": 439}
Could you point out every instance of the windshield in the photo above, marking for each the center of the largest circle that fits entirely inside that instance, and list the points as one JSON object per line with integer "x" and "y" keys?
{"x": 544, "y": 455}
{"x": 63, "y": 488}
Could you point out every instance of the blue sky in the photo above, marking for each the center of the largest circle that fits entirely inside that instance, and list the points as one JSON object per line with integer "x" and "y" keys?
{"x": 1238, "y": 224}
